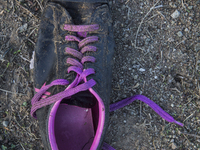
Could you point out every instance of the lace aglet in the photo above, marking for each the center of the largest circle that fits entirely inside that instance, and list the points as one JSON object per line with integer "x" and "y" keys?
{"x": 178, "y": 123}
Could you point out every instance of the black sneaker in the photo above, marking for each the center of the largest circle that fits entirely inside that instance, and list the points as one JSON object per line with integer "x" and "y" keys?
{"x": 73, "y": 61}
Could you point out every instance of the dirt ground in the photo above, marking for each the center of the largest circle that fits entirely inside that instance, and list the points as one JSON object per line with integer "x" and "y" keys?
{"x": 156, "y": 54}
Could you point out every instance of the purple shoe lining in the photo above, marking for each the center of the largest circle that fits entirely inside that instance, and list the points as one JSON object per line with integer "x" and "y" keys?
{"x": 43, "y": 98}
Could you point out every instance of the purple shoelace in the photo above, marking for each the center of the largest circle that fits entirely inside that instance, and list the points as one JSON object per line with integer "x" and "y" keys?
{"x": 42, "y": 97}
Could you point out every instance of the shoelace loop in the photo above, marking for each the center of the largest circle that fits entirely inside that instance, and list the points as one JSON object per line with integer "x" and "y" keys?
{"x": 76, "y": 66}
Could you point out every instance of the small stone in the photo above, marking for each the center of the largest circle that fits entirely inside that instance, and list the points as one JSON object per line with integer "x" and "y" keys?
{"x": 173, "y": 22}
{"x": 155, "y": 77}
{"x": 174, "y": 146}
{"x": 141, "y": 69}
{"x": 179, "y": 132}
{"x": 5, "y": 123}
{"x": 190, "y": 7}
{"x": 186, "y": 30}
{"x": 135, "y": 77}
{"x": 32, "y": 61}
{"x": 23, "y": 27}
{"x": 172, "y": 105}
{"x": 172, "y": 5}
{"x": 1, "y": 58}
{"x": 147, "y": 41}
{"x": 197, "y": 47}
{"x": 180, "y": 34}
{"x": 175, "y": 14}
{"x": 124, "y": 121}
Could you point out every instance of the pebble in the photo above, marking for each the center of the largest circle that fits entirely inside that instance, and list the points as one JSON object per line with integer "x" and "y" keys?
{"x": 179, "y": 132}
{"x": 172, "y": 5}
{"x": 190, "y": 7}
{"x": 23, "y": 27}
{"x": 147, "y": 41}
{"x": 197, "y": 47}
{"x": 172, "y": 105}
{"x": 141, "y": 69}
{"x": 174, "y": 146}
{"x": 175, "y": 14}
{"x": 5, "y": 123}
{"x": 32, "y": 61}
{"x": 1, "y": 58}
{"x": 186, "y": 30}
{"x": 135, "y": 77}
{"x": 180, "y": 34}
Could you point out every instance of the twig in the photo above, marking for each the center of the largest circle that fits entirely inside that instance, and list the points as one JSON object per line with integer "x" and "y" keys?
{"x": 197, "y": 136}
{"x": 154, "y": 144}
{"x": 175, "y": 89}
{"x": 139, "y": 63}
{"x": 128, "y": 12}
{"x": 190, "y": 100}
{"x": 31, "y": 134}
{"x": 13, "y": 6}
{"x": 154, "y": 7}
{"x": 183, "y": 4}
{"x": 127, "y": 1}
{"x": 26, "y": 9}
{"x": 151, "y": 17}
{"x": 31, "y": 32}
{"x": 22, "y": 146}
{"x": 24, "y": 58}
{"x": 189, "y": 116}
{"x": 31, "y": 41}
{"x": 40, "y": 5}
{"x": 137, "y": 47}
{"x": 181, "y": 42}
{"x": 162, "y": 15}
{"x": 149, "y": 34}
{"x": 159, "y": 6}
{"x": 186, "y": 138}
{"x": 11, "y": 92}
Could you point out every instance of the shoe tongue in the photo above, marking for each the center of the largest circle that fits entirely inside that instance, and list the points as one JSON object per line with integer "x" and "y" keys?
{"x": 82, "y": 99}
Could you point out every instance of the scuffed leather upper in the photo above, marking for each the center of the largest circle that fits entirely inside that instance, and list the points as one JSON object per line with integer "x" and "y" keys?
{"x": 49, "y": 57}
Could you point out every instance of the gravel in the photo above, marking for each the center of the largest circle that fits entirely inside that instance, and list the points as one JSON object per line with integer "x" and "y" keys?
{"x": 175, "y": 14}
